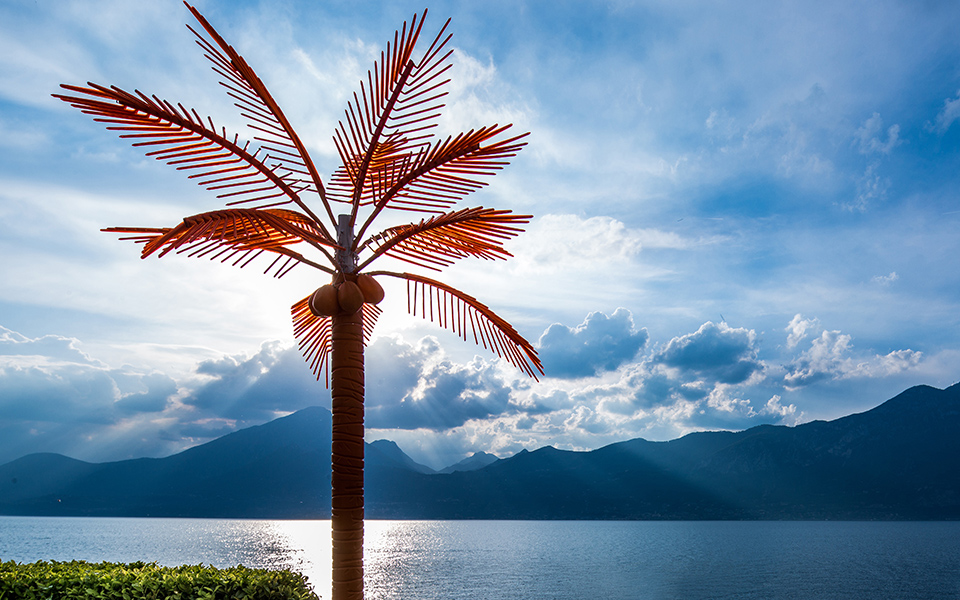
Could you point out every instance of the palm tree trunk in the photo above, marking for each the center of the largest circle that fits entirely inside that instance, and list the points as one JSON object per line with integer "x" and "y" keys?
{"x": 347, "y": 453}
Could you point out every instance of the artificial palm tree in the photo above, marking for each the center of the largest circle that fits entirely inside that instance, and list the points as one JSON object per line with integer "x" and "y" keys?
{"x": 389, "y": 161}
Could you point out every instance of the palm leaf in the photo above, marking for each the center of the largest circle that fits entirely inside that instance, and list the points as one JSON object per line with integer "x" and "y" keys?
{"x": 439, "y": 241}
{"x": 240, "y": 235}
{"x": 284, "y": 150}
{"x": 183, "y": 140}
{"x": 462, "y": 314}
{"x": 449, "y": 171}
{"x": 390, "y": 118}
{"x": 437, "y": 178}
{"x": 315, "y": 335}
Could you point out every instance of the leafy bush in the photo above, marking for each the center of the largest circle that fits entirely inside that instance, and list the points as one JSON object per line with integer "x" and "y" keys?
{"x": 79, "y": 580}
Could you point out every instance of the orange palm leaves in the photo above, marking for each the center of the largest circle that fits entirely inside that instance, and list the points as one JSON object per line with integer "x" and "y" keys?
{"x": 238, "y": 234}
{"x": 389, "y": 159}
{"x": 439, "y": 241}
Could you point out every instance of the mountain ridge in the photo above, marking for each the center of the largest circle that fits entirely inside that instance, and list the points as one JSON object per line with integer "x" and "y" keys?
{"x": 898, "y": 460}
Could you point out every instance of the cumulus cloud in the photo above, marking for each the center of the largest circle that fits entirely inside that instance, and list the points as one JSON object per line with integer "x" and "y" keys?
{"x": 446, "y": 409}
{"x": 825, "y": 359}
{"x": 797, "y": 329}
{"x": 708, "y": 379}
{"x": 726, "y": 409}
{"x": 888, "y": 364}
{"x": 417, "y": 387}
{"x": 600, "y": 343}
{"x": 714, "y": 353}
{"x": 787, "y": 414}
{"x": 438, "y": 409}
{"x": 831, "y": 356}
{"x": 272, "y": 382}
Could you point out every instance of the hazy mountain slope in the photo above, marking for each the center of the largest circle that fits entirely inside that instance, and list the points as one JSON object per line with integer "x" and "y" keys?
{"x": 477, "y": 460}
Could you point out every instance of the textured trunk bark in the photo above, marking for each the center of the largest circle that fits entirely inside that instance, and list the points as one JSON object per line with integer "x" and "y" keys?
{"x": 347, "y": 456}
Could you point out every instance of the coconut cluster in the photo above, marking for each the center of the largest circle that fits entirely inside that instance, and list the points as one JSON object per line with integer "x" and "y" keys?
{"x": 345, "y": 295}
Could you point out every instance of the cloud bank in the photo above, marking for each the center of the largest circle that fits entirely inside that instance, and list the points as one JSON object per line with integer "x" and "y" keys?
{"x": 605, "y": 382}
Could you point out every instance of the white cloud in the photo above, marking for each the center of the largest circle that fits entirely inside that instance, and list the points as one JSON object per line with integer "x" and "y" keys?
{"x": 566, "y": 241}
{"x": 948, "y": 114}
{"x": 569, "y": 242}
{"x": 478, "y": 96}
{"x": 831, "y": 357}
{"x": 787, "y": 414}
{"x": 869, "y": 136}
{"x": 45, "y": 349}
{"x": 719, "y": 400}
{"x": 892, "y": 363}
{"x": 825, "y": 359}
{"x": 797, "y": 329}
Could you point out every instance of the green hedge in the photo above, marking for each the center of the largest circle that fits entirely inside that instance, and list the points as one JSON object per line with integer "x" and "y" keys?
{"x": 80, "y": 580}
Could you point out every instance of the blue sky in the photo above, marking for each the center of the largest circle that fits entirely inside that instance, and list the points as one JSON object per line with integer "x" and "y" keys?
{"x": 745, "y": 213}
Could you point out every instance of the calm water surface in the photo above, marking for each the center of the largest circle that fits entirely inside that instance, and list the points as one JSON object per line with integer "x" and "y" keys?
{"x": 540, "y": 560}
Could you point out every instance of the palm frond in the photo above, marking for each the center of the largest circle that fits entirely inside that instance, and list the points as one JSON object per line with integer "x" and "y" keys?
{"x": 183, "y": 140}
{"x": 314, "y": 335}
{"x": 391, "y": 117}
{"x": 462, "y": 314}
{"x": 239, "y": 234}
{"x": 439, "y": 241}
{"x": 284, "y": 151}
{"x": 386, "y": 165}
{"x": 437, "y": 178}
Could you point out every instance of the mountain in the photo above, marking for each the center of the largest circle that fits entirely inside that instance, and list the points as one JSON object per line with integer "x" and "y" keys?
{"x": 277, "y": 470}
{"x": 900, "y": 460}
{"x": 477, "y": 460}
{"x": 386, "y": 453}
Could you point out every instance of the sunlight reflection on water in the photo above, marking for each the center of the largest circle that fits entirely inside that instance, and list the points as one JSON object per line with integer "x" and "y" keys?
{"x": 533, "y": 560}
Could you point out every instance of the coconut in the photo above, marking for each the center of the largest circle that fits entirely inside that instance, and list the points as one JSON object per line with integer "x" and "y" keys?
{"x": 372, "y": 292}
{"x": 349, "y": 297}
{"x": 323, "y": 302}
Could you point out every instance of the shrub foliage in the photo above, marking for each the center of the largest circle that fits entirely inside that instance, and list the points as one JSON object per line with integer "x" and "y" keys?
{"x": 78, "y": 580}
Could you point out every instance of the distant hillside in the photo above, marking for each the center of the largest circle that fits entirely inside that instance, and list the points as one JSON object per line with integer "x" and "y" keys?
{"x": 900, "y": 460}
{"x": 477, "y": 460}
{"x": 278, "y": 470}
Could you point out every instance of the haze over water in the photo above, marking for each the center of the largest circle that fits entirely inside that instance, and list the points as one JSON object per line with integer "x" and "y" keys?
{"x": 555, "y": 560}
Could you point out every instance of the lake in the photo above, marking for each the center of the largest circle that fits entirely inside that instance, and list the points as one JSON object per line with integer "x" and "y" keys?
{"x": 541, "y": 560}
